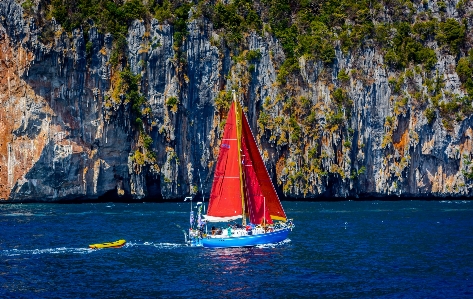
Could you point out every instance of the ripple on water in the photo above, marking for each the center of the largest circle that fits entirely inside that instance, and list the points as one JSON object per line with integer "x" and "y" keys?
{"x": 60, "y": 250}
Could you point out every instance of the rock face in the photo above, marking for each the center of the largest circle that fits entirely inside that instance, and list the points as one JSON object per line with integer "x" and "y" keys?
{"x": 63, "y": 138}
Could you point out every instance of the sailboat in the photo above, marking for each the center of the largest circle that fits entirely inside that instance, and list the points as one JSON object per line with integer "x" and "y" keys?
{"x": 241, "y": 190}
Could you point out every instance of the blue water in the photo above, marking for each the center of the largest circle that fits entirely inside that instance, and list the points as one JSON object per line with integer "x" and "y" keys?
{"x": 420, "y": 249}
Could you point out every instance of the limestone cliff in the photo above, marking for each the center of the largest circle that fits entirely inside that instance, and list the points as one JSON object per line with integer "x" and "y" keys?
{"x": 353, "y": 127}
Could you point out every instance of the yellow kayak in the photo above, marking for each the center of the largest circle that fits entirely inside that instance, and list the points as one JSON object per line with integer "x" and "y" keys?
{"x": 116, "y": 244}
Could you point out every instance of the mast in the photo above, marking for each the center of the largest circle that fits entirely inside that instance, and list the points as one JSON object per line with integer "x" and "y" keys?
{"x": 239, "y": 129}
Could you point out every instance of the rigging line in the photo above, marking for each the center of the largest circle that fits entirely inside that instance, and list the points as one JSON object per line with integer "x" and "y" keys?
{"x": 202, "y": 192}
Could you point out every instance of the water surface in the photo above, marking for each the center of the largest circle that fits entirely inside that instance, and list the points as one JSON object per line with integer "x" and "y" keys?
{"x": 400, "y": 249}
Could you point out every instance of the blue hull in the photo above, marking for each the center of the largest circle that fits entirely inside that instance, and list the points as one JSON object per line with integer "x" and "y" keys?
{"x": 246, "y": 241}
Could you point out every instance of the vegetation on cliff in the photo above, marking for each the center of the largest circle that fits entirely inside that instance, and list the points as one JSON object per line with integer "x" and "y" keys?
{"x": 313, "y": 133}
{"x": 305, "y": 27}
{"x": 311, "y": 29}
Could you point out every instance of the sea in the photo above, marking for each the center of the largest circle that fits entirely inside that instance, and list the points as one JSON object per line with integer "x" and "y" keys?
{"x": 341, "y": 249}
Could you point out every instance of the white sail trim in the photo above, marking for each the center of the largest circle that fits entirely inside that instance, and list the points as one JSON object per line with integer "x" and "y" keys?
{"x": 221, "y": 219}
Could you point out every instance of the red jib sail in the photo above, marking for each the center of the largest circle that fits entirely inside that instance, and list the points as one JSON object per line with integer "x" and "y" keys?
{"x": 261, "y": 199}
{"x": 261, "y": 202}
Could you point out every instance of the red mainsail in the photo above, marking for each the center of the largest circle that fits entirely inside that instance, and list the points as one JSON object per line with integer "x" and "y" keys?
{"x": 261, "y": 203}
{"x": 225, "y": 197}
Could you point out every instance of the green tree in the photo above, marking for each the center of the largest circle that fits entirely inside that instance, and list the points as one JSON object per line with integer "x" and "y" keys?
{"x": 464, "y": 69}
{"x": 451, "y": 33}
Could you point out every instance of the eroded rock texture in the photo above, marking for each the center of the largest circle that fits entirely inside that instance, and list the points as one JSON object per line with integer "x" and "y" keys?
{"x": 64, "y": 137}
